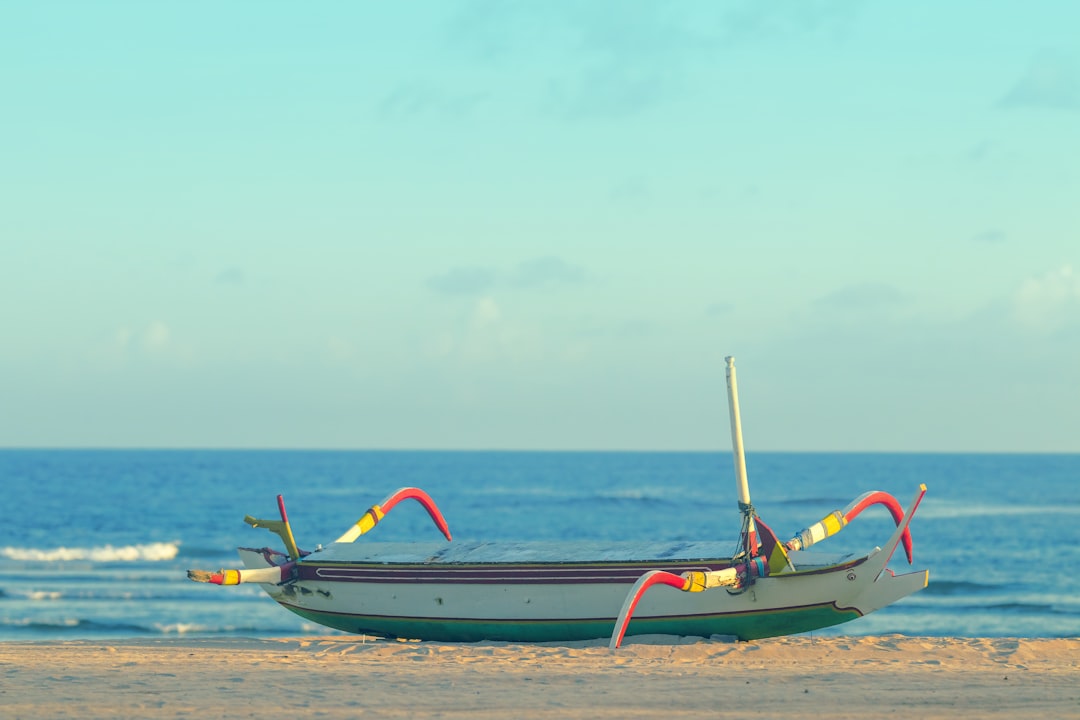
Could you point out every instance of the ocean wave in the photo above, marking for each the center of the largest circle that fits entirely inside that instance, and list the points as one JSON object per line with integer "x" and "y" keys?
{"x": 1019, "y": 607}
{"x": 180, "y": 628}
{"x": 953, "y": 509}
{"x": 69, "y": 625}
{"x": 195, "y": 628}
{"x": 1024, "y": 607}
{"x": 148, "y": 552}
{"x": 32, "y": 595}
{"x": 584, "y": 494}
{"x": 833, "y": 502}
{"x": 632, "y": 495}
{"x": 961, "y": 587}
{"x": 154, "y": 591}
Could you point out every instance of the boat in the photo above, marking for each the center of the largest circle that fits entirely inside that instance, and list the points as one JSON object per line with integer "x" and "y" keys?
{"x": 448, "y": 591}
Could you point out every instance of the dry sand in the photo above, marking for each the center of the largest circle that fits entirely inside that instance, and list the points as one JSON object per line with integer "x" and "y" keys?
{"x": 344, "y": 677}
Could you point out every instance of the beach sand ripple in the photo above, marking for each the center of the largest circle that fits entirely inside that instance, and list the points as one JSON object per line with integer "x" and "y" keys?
{"x": 347, "y": 677}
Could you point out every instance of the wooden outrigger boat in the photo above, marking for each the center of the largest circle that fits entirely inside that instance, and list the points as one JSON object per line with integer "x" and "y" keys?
{"x": 565, "y": 591}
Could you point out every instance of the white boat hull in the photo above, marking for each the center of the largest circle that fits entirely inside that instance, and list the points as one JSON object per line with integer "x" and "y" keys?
{"x": 450, "y": 593}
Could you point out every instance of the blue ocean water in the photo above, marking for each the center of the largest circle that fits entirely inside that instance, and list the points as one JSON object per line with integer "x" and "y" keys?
{"x": 96, "y": 544}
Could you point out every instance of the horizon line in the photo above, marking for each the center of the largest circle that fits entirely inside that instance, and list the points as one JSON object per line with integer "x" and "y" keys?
{"x": 511, "y": 450}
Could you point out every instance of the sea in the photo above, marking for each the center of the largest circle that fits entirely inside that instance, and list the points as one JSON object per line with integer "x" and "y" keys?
{"x": 96, "y": 544}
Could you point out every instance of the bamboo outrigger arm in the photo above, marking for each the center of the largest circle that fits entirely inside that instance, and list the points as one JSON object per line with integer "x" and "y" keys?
{"x": 277, "y": 574}
{"x": 285, "y": 572}
{"x": 835, "y": 521}
{"x": 377, "y": 512}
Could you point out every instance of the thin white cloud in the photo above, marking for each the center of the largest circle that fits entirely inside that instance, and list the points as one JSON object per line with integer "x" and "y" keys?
{"x": 989, "y": 237}
{"x": 546, "y": 272}
{"x": 610, "y": 91}
{"x": 719, "y": 309}
{"x": 632, "y": 192}
{"x": 463, "y": 281}
{"x": 486, "y": 312}
{"x": 625, "y": 58}
{"x": 416, "y": 98}
{"x": 155, "y": 337}
{"x": 979, "y": 152}
{"x": 230, "y": 276}
{"x": 1049, "y": 302}
{"x": 540, "y": 273}
{"x": 750, "y": 20}
{"x": 1050, "y": 81}
{"x": 151, "y": 338}
{"x": 340, "y": 350}
{"x": 484, "y": 337}
{"x": 154, "y": 343}
{"x": 863, "y": 296}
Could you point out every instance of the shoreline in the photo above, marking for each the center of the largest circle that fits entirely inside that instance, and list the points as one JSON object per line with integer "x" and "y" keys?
{"x": 650, "y": 676}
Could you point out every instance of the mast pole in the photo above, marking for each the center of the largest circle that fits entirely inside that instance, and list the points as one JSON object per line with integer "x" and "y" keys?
{"x": 749, "y": 531}
{"x": 736, "y": 434}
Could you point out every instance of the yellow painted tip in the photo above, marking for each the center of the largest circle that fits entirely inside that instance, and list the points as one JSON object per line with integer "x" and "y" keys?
{"x": 370, "y": 519}
{"x": 922, "y": 486}
{"x": 695, "y": 581}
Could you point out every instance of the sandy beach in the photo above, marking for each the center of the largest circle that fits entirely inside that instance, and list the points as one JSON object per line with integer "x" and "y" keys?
{"x": 341, "y": 677}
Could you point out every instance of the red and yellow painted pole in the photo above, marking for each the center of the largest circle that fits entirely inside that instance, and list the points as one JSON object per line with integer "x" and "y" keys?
{"x": 837, "y": 520}
{"x": 376, "y": 513}
{"x": 274, "y": 575}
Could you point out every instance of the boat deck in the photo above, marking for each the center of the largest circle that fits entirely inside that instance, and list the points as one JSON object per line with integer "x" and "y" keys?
{"x": 543, "y": 552}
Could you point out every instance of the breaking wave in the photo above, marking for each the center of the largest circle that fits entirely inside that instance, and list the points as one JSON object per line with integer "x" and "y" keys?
{"x": 148, "y": 552}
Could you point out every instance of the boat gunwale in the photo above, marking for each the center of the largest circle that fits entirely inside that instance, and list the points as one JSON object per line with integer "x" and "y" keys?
{"x": 554, "y": 573}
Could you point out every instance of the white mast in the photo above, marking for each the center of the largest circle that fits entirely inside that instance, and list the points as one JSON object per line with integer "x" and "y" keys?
{"x": 736, "y": 433}
{"x": 749, "y": 532}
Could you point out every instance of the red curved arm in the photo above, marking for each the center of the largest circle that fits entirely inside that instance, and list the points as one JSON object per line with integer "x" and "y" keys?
{"x": 411, "y": 493}
{"x": 646, "y": 581}
{"x": 879, "y": 497}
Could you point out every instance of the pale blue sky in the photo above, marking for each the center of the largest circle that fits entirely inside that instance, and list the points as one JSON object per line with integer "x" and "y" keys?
{"x": 540, "y": 224}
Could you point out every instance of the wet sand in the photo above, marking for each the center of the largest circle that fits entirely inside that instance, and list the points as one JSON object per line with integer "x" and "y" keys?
{"x": 649, "y": 677}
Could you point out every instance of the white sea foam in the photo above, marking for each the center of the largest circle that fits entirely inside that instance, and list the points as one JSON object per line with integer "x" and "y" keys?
{"x": 43, "y": 595}
{"x": 51, "y": 623}
{"x": 148, "y": 552}
{"x": 180, "y": 628}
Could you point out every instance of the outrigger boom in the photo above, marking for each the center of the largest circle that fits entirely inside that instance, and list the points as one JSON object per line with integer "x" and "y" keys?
{"x": 563, "y": 591}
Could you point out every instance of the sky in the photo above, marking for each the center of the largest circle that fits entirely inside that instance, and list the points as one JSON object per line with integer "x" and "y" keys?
{"x": 540, "y": 225}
